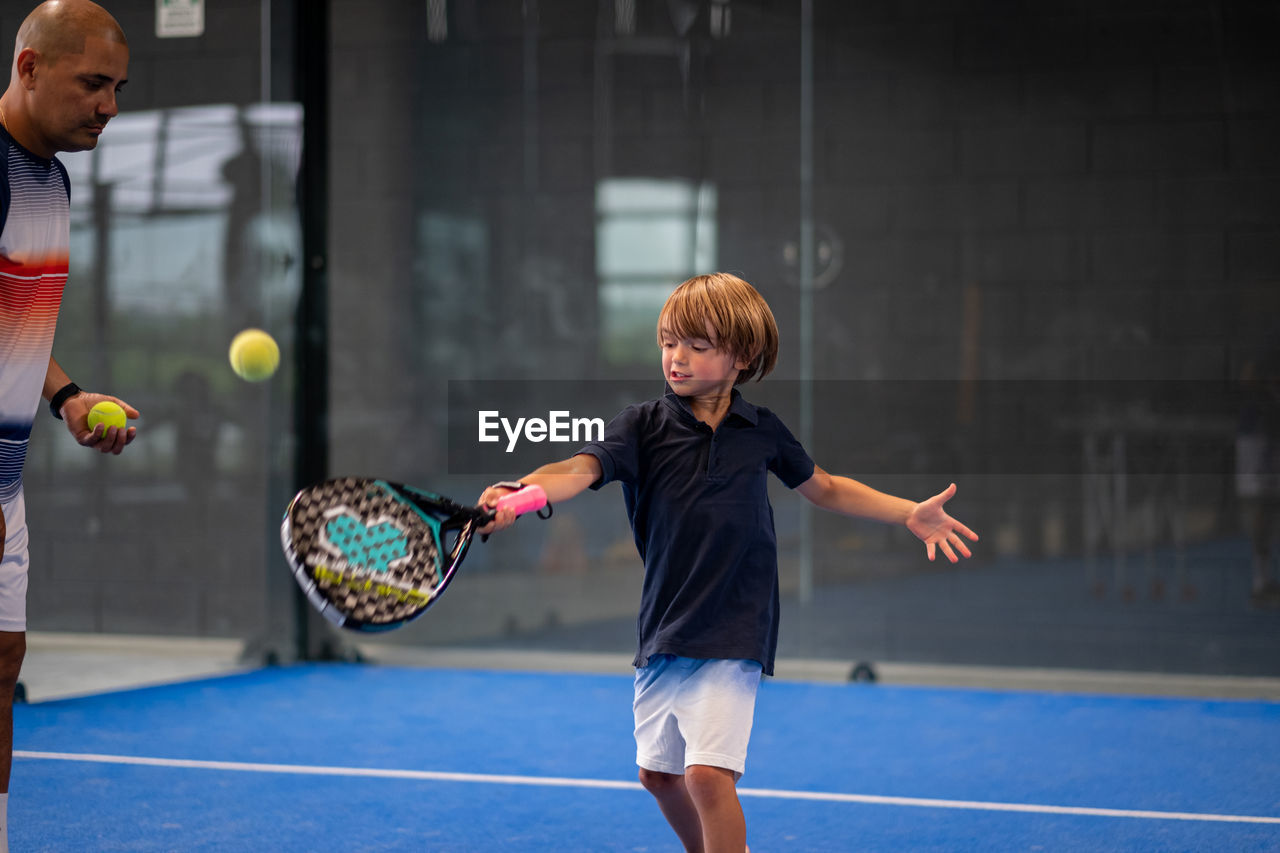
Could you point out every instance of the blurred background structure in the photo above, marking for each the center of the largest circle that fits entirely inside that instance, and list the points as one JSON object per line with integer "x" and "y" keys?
{"x": 1032, "y": 248}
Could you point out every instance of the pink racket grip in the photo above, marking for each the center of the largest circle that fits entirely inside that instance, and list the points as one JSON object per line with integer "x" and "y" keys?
{"x": 528, "y": 499}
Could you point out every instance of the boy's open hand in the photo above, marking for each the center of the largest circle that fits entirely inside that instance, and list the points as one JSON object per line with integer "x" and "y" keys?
{"x": 930, "y": 522}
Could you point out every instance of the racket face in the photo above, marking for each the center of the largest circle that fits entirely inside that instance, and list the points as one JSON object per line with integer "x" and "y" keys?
{"x": 367, "y": 557}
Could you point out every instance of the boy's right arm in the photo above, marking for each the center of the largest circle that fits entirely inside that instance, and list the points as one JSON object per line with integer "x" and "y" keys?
{"x": 560, "y": 480}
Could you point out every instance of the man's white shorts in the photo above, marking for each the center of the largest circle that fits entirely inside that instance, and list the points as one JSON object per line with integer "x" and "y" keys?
{"x": 13, "y": 567}
{"x": 694, "y": 712}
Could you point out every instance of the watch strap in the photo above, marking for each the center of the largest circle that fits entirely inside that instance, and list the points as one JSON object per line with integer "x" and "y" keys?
{"x": 61, "y": 396}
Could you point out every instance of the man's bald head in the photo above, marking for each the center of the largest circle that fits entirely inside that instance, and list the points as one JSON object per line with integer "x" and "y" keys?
{"x": 59, "y": 27}
{"x": 71, "y": 62}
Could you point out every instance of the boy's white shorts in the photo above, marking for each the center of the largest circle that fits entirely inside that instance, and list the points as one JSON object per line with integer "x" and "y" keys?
{"x": 694, "y": 712}
{"x": 13, "y": 567}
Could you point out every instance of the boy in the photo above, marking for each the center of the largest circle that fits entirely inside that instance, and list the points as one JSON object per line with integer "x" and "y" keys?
{"x": 693, "y": 470}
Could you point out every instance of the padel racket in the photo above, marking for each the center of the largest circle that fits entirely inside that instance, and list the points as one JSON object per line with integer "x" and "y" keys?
{"x": 372, "y": 555}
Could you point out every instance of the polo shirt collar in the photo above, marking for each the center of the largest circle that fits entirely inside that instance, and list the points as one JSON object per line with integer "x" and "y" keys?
{"x": 738, "y": 407}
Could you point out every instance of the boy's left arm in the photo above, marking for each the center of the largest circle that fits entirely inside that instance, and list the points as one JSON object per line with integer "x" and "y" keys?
{"x": 926, "y": 519}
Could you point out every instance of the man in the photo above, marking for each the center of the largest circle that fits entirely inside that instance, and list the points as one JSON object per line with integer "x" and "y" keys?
{"x": 70, "y": 61}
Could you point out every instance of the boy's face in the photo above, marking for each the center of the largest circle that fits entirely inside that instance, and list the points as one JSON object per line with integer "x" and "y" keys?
{"x": 693, "y": 366}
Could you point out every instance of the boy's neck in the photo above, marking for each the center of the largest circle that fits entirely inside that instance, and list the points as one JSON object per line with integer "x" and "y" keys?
{"x": 711, "y": 408}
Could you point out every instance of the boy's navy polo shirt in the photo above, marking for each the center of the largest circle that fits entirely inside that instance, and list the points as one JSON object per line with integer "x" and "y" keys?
{"x": 699, "y": 508}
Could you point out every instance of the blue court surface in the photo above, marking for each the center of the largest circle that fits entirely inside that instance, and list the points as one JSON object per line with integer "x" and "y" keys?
{"x": 347, "y": 757}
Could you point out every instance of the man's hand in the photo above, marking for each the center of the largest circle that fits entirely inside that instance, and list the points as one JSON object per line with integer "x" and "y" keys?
{"x": 75, "y": 412}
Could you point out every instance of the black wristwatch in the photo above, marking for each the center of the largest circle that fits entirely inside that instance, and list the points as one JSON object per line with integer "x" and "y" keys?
{"x": 65, "y": 393}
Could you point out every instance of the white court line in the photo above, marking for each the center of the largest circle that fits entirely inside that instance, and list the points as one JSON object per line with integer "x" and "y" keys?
{"x": 605, "y": 784}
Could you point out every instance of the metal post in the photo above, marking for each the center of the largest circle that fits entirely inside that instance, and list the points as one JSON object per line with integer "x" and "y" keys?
{"x": 311, "y": 403}
{"x": 806, "y": 283}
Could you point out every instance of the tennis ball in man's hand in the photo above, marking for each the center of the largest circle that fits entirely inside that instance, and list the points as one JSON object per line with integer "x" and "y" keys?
{"x": 254, "y": 355}
{"x": 107, "y": 413}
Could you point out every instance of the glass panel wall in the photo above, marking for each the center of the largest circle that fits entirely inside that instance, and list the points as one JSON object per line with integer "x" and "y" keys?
{"x": 184, "y": 231}
{"x": 1028, "y": 253}
{"x": 1032, "y": 251}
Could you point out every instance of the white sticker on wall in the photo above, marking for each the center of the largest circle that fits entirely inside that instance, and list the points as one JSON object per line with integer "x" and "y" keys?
{"x": 179, "y": 18}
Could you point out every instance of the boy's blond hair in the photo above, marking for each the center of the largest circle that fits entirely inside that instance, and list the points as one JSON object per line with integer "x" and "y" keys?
{"x": 740, "y": 320}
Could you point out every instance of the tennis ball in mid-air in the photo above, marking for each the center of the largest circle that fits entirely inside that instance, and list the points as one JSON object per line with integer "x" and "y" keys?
{"x": 107, "y": 413}
{"x": 254, "y": 355}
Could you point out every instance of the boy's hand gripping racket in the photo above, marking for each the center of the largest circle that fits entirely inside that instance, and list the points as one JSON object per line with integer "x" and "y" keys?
{"x": 372, "y": 555}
